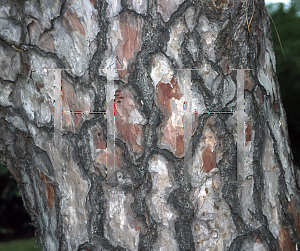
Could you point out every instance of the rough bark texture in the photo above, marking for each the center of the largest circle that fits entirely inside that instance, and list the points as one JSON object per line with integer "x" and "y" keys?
{"x": 168, "y": 195}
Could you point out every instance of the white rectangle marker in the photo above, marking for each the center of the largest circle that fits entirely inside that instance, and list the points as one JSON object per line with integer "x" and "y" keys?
{"x": 188, "y": 109}
{"x": 110, "y": 115}
{"x": 57, "y": 109}
{"x": 240, "y": 117}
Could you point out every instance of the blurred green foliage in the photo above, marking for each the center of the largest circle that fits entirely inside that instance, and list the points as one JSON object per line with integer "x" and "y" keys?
{"x": 287, "y": 22}
{"x": 19, "y": 245}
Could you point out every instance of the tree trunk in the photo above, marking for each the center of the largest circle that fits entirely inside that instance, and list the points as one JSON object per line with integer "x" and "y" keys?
{"x": 166, "y": 168}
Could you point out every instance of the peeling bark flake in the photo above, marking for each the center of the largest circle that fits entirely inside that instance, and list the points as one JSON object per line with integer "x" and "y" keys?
{"x": 49, "y": 189}
{"x": 72, "y": 23}
{"x": 208, "y": 158}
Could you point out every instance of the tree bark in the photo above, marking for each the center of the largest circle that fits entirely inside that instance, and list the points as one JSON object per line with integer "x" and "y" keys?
{"x": 159, "y": 170}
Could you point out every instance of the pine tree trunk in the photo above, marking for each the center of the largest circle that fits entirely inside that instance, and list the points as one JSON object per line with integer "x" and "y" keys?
{"x": 150, "y": 174}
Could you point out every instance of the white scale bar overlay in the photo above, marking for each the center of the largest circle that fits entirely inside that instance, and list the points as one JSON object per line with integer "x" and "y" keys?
{"x": 110, "y": 115}
{"x": 240, "y": 117}
{"x": 57, "y": 113}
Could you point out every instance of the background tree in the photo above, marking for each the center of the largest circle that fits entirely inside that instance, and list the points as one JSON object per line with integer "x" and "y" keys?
{"x": 287, "y": 23}
{"x": 168, "y": 195}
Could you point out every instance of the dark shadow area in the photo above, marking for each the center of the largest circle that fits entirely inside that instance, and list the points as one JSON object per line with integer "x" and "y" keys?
{"x": 14, "y": 219}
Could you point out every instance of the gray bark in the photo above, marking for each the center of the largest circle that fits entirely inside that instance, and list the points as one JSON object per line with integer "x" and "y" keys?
{"x": 170, "y": 180}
